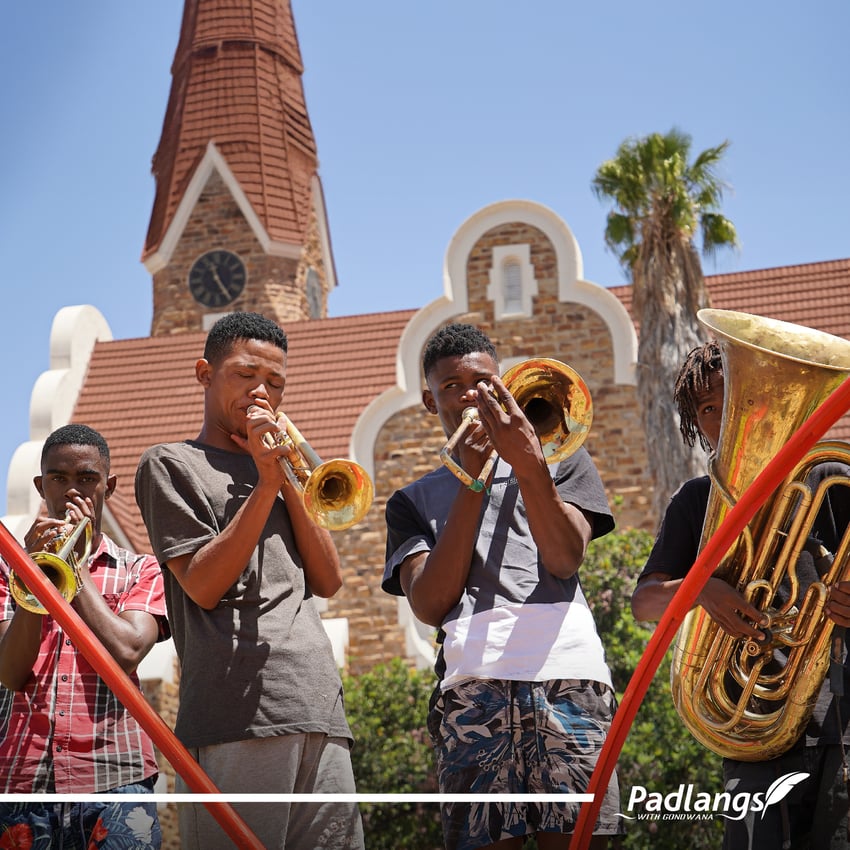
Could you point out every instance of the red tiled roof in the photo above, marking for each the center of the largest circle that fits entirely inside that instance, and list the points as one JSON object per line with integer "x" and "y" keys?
{"x": 139, "y": 392}
{"x": 237, "y": 82}
{"x": 813, "y": 294}
{"x": 816, "y": 295}
{"x": 143, "y": 391}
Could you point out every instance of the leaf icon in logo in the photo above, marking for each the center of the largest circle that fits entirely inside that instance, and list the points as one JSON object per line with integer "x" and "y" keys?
{"x": 781, "y": 787}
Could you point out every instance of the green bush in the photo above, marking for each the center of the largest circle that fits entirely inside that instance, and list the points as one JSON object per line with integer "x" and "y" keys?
{"x": 387, "y": 710}
{"x": 388, "y": 707}
{"x": 659, "y": 752}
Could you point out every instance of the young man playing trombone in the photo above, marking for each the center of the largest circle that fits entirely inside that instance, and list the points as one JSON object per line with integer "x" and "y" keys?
{"x": 62, "y": 730}
{"x": 525, "y": 698}
{"x": 261, "y": 703}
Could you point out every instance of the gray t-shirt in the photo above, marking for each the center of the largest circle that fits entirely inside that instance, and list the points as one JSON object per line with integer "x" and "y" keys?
{"x": 260, "y": 663}
{"x": 510, "y": 597}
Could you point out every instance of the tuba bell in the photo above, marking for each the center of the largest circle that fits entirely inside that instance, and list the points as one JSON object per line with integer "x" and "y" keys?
{"x": 554, "y": 399}
{"x": 740, "y": 698}
{"x": 61, "y": 566}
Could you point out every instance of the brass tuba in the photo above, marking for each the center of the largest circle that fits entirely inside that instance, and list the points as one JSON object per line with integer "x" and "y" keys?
{"x": 61, "y": 566}
{"x": 554, "y": 399}
{"x": 740, "y": 698}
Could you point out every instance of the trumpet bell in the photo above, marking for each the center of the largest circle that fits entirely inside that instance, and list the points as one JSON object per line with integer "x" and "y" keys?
{"x": 60, "y": 567}
{"x": 338, "y": 494}
{"x": 555, "y": 400}
{"x": 60, "y": 574}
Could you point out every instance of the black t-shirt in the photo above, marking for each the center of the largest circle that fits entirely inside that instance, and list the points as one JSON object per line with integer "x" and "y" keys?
{"x": 677, "y": 545}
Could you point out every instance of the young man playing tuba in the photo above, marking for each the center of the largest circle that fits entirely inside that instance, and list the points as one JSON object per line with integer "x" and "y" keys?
{"x": 814, "y": 813}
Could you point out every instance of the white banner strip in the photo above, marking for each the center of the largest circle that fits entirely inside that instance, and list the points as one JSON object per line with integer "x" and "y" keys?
{"x": 301, "y": 798}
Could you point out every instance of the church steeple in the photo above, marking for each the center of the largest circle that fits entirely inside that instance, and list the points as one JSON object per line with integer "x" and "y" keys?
{"x": 238, "y": 219}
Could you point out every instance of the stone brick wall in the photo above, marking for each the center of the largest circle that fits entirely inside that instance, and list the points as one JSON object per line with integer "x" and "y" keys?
{"x": 274, "y": 285}
{"x": 312, "y": 257}
{"x": 409, "y": 442}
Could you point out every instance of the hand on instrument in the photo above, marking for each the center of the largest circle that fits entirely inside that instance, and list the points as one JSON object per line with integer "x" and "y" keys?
{"x": 474, "y": 448}
{"x": 263, "y": 428}
{"x": 77, "y": 507}
{"x": 43, "y": 533}
{"x": 506, "y": 425}
{"x": 730, "y": 610}
{"x": 838, "y": 603}
{"x": 46, "y": 531}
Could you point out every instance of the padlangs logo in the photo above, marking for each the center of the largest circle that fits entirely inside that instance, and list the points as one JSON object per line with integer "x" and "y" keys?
{"x": 686, "y": 803}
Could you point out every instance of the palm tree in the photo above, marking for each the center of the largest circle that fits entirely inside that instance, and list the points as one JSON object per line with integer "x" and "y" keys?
{"x": 662, "y": 204}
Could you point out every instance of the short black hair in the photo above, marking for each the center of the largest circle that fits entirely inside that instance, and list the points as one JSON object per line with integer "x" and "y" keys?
{"x": 235, "y": 326}
{"x": 455, "y": 340}
{"x": 701, "y": 363}
{"x": 76, "y": 435}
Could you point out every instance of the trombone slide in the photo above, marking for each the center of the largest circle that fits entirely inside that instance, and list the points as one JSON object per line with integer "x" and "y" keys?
{"x": 477, "y": 484}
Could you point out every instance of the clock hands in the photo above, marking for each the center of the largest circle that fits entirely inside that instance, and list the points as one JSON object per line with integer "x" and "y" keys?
{"x": 216, "y": 278}
{"x": 214, "y": 271}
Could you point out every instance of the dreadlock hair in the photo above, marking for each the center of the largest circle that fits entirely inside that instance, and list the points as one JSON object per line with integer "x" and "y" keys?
{"x": 455, "y": 340}
{"x": 700, "y": 364}
{"x": 76, "y": 435}
{"x": 235, "y": 326}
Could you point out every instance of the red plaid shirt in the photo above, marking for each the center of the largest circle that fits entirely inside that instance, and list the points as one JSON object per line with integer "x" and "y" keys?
{"x": 67, "y": 732}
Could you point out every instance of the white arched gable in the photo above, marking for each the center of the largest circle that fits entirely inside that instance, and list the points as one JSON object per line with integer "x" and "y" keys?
{"x": 73, "y": 334}
{"x": 214, "y": 161}
{"x": 571, "y": 285}
{"x": 454, "y": 301}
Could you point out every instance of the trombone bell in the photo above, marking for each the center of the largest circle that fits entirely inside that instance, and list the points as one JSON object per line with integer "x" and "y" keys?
{"x": 554, "y": 399}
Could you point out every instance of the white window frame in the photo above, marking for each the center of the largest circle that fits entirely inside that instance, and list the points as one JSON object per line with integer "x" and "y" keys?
{"x": 503, "y": 256}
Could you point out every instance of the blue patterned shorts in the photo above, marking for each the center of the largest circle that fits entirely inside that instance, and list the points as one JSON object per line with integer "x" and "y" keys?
{"x": 494, "y": 736}
{"x": 82, "y": 826}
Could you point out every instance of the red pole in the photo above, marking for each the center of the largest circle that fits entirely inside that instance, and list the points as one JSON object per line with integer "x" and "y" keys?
{"x": 727, "y": 532}
{"x": 120, "y": 683}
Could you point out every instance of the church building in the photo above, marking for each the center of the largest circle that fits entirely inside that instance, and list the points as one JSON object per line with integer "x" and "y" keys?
{"x": 239, "y": 223}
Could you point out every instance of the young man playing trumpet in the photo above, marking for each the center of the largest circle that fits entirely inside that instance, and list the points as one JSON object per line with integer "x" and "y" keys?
{"x": 261, "y": 704}
{"x": 525, "y": 698}
{"x": 61, "y": 728}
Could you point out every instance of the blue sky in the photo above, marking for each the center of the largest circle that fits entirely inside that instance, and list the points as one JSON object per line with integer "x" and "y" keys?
{"x": 423, "y": 113}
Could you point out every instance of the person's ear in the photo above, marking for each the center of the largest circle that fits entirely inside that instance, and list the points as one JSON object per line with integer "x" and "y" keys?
{"x": 111, "y": 481}
{"x": 428, "y": 401}
{"x": 203, "y": 372}
{"x": 38, "y": 482}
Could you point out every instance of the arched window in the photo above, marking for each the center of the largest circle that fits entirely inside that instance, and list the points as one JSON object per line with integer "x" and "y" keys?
{"x": 314, "y": 294}
{"x": 512, "y": 281}
{"x": 512, "y": 286}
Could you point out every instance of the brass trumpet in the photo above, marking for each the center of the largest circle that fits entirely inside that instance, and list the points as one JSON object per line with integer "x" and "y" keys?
{"x": 337, "y": 493}
{"x": 61, "y": 566}
{"x": 554, "y": 399}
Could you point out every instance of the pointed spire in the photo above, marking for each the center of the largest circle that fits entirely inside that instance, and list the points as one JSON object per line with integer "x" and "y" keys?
{"x": 236, "y": 82}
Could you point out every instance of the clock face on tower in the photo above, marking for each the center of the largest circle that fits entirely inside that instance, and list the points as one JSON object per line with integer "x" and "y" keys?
{"x": 217, "y": 278}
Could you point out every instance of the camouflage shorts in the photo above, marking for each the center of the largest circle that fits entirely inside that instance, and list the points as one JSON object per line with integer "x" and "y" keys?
{"x": 504, "y": 737}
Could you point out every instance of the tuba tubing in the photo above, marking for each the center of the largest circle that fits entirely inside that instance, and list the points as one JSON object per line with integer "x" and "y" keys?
{"x": 740, "y": 699}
